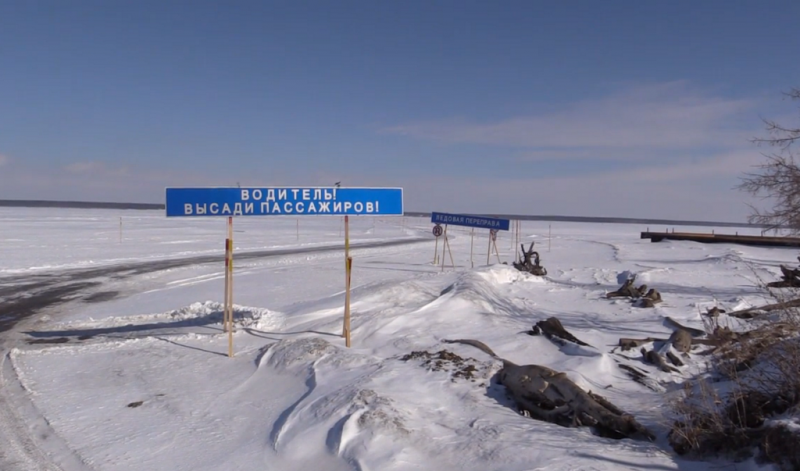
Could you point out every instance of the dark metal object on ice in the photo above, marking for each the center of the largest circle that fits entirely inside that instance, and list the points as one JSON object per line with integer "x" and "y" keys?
{"x": 642, "y": 297}
{"x": 526, "y": 265}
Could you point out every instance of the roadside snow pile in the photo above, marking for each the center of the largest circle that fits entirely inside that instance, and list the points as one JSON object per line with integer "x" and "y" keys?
{"x": 211, "y": 312}
{"x": 485, "y": 289}
{"x": 196, "y": 314}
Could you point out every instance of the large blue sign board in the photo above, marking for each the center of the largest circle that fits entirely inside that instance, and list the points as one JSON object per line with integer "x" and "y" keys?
{"x": 470, "y": 221}
{"x": 284, "y": 201}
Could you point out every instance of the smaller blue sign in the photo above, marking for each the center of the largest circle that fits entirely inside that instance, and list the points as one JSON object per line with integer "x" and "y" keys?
{"x": 470, "y": 221}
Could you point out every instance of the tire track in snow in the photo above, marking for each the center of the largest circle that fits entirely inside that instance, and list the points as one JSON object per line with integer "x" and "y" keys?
{"x": 23, "y": 296}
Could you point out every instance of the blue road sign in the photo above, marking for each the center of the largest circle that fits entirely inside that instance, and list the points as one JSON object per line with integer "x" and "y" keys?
{"x": 470, "y": 221}
{"x": 284, "y": 201}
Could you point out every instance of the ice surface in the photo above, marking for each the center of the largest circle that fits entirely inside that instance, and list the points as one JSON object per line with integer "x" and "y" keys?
{"x": 150, "y": 385}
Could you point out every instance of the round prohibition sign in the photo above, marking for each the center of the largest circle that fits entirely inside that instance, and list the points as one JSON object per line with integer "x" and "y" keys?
{"x": 493, "y": 234}
{"x": 437, "y": 230}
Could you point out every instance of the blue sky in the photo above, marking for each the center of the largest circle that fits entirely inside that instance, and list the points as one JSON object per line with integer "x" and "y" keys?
{"x": 616, "y": 108}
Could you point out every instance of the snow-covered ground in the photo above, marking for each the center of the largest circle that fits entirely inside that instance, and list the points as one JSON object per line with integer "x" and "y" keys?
{"x": 143, "y": 381}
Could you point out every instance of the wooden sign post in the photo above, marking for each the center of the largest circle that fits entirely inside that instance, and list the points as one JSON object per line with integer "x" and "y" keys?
{"x": 282, "y": 202}
{"x": 227, "y": 284}
{"x": 228, "y": 316}
{"x": 471, "y": 244}
{"x": 496, "y": 250}
{"x": 489, "y": 248}
{"x": 513, "y": 236}
{"x": 446, "y": 245}
{"x": 348, "y": 266}
{"x": 492, "y": 242}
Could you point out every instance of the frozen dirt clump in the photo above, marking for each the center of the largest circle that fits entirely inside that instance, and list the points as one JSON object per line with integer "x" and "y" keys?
{"x": 445, "y": 360}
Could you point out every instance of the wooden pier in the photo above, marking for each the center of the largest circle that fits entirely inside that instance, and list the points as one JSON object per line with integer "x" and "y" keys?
{"x": 769, "y": 241}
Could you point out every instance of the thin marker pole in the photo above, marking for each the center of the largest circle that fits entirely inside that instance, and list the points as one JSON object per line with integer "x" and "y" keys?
{"x": 347, "y": 299}
{"x": 436, "y": 250}
{"x": 489, "y": 248}
{"x": 230, "y": 288}
{"x": 446, "y": 246}
{"x": 347, "y": 265}
{"x": 497, "y": 251}
{"x": 450, "y": 250}
{"x": 513, "y": 233}
{"x": 471, "y": 243}
{"x": 227, "y": 285}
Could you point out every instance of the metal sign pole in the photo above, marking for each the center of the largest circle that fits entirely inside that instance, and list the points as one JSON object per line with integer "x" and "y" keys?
{"x": 437, "y": 232}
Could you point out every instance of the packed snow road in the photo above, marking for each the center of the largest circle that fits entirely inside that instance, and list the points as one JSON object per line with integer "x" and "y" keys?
{"x": 22, "y": 296}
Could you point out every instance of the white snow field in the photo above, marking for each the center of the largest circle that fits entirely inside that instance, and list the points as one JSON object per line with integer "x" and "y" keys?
{"x": 144, "y": 383}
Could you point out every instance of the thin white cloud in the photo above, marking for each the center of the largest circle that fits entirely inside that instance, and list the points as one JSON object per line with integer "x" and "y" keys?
{"x": 94, "y": 181}
{"x": 729, "y": 165}
{"x": 663, "y": 116}
{"x": 701, "y": 190}
{"x": 98, "y": 169}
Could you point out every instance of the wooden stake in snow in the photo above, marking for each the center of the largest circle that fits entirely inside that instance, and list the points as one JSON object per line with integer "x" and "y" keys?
{"x": 348, "y": 264}
{"x": 471, "y": 244}
{"x": 514, "y": 235}
{"x": 489, "y": 248}
{"x": 496, "y": 250}
{"x": 229, "y": 286}
{"x": 446, "y": 246}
